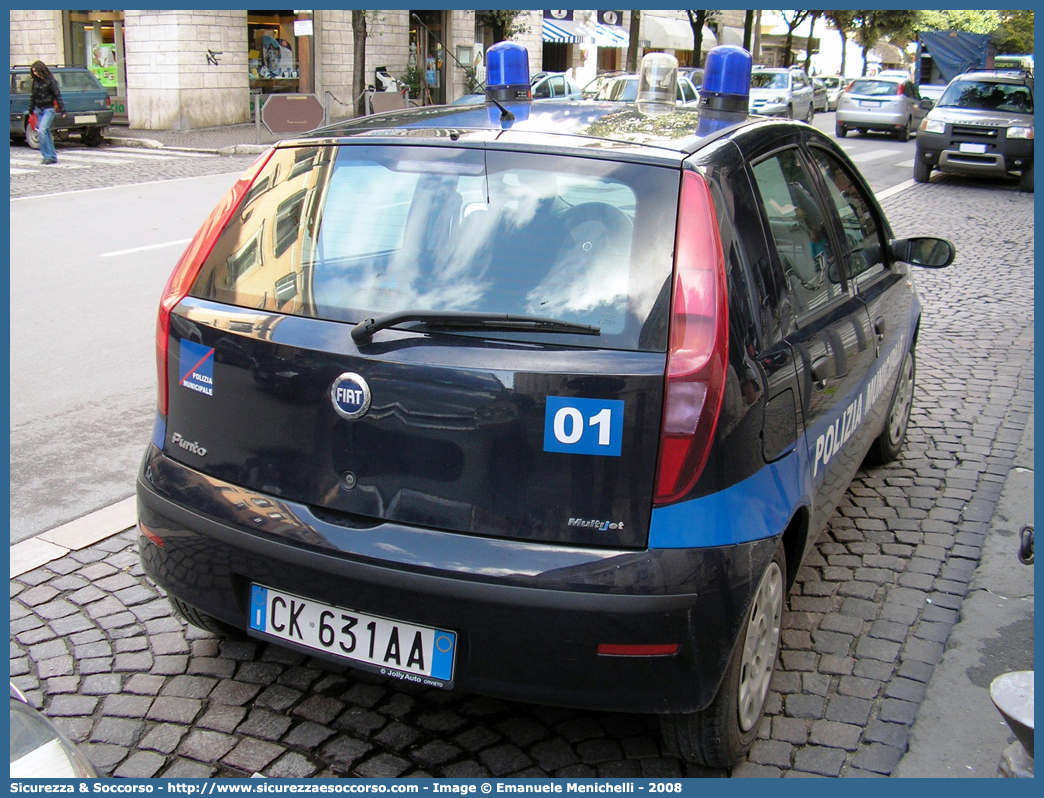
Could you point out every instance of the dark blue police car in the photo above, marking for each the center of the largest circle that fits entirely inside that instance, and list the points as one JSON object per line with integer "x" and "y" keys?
{"x": 541, "y": 401}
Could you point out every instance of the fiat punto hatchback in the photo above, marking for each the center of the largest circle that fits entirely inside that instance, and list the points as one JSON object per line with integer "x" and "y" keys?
{"x": 545, "y": 402}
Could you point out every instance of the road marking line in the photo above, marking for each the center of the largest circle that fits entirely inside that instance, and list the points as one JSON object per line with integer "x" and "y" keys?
{"x": 906, "y": 164}
{"x": 22, "y": 171}
{"x": 179, "y": 242}
{"x": 893, "y": 190}
{"x": 125, "y": 157}
{"x": 59, "y": 165}
{"x": 91, "y": 160}
{"x": 872, "y": 155}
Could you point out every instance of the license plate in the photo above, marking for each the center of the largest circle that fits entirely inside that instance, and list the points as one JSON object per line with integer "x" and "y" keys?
{"x": 976, "y": 148}
{"x": 392, "y": 648}
{"x": 83, "y": 119}
{"x": 869, "y": 104}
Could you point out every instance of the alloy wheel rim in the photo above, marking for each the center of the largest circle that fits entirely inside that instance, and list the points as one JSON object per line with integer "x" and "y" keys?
{"x": 760, "y": 646}
{"x": 900, "y": 415}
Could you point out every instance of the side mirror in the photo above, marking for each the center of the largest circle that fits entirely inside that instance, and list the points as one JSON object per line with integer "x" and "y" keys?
{"x": 927, "y": 104}
{"x": 931, "y": 253}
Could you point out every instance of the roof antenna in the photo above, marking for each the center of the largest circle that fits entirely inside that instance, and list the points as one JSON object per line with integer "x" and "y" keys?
{"x": 505, "y": 114}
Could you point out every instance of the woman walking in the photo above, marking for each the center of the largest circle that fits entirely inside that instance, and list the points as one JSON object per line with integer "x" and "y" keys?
{"x": 45, "y": 100}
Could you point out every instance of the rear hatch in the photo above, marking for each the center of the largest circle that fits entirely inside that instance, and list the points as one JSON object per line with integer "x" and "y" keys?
{"x": 876, "y": 95}
{"x": 525, "y": 429}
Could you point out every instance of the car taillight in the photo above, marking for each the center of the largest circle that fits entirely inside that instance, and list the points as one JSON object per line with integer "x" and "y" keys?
{"x": 188, "y": 266}
{"x": 698, "y": 345}
{"x": 108, "y": 101}
{"x": 900, "y": 89}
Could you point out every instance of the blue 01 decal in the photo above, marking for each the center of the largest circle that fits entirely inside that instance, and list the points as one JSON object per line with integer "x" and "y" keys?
{"x": 583, "y": 426}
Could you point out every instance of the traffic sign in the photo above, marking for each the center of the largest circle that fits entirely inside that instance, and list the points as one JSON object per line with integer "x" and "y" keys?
{"x": 292, "y": 113}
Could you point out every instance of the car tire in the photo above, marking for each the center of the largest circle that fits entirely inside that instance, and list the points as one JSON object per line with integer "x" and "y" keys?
{"x": 904, "y": 134}
{"x": 201, "y": 620}
{"x": 887, "y": 445}
{"x": 922, "y": 170}
{"x": 1026, "y": 180}
{"x": 840, "y": 130}
{"x": 811, "y": 113}
{"x": 32, "y": 138}
{"x": 91, "y": 136}
{"x": 790, "y": 112}
{"x": 722, "y": 734}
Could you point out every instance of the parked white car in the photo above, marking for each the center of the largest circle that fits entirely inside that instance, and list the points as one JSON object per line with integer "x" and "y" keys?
{"x": 781, "y": 92}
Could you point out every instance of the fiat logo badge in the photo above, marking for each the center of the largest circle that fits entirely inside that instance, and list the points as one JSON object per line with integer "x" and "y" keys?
{"x": 350, "y": 395}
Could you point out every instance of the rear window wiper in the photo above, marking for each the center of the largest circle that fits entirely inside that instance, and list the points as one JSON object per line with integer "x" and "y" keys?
{"x": 363, "y": 332}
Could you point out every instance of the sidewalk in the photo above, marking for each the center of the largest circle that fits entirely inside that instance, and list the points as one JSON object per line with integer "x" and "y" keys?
{"x": 958, "y": 732}
{"x": 241, "y": 139}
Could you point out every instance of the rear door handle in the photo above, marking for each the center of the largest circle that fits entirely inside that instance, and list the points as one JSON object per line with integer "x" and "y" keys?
{"x": 879, "y": 329}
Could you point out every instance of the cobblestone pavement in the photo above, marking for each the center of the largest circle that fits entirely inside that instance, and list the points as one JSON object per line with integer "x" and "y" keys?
{"x": 94, "y": 644}
{"x": 81, "y": 167}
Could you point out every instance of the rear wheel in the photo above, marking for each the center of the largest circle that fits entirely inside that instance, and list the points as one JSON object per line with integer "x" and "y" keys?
{"x": 904, "y": 134}
{"x": 790, "y": 112}
{"x": 721, "y": 735}
{"x": 887, "y": 445}
{"x": 1026, "y": 181}
{"x": 811, "y": 113}
{"x": 32, "y": 138}
{"x": 922, "y": 171}
{"x": 91, "y": 136}
{"x": 840, "y": 130}
{"x": 201, "y": 620}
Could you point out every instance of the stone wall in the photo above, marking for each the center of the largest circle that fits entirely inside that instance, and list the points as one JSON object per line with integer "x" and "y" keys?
{"x": 36, "y": 35}
{"x": 170, "y": 83}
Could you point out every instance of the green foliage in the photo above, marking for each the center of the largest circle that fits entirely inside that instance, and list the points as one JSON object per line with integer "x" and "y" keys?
{"x": 968, "y": 21}
{"x": 412, "y": 78}
{"x": 1015, "y": 34}
{"x": 504, "y": 24}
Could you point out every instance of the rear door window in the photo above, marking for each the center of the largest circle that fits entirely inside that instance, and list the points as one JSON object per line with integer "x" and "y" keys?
{"x": 347, "y": 233}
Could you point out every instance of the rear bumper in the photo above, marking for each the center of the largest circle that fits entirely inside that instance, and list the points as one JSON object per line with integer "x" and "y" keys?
{"x": 529, "y": 617}
{"x": 871, "y": 120}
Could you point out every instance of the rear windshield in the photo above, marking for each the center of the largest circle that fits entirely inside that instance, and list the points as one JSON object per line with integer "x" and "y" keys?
{"x": 346, "y": 233}
{"x": 874, "y": 88}
{"x": 73, "y": 81}
{"x": 619, "y": 90}
{"x": 769, "y": 80}
{"x": 986, "y": 96}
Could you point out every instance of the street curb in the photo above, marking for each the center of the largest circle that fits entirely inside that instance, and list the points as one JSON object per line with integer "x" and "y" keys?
{"x": 75, "y": 535}
{"x": 152, "y": 144}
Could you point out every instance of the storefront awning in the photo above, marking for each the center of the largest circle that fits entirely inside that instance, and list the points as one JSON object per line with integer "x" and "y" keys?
{"x": 730, "y": 35}
{"x": 610, "y": 36}
{"x": 563, "y": 31}
{"x": 668, "y": 33}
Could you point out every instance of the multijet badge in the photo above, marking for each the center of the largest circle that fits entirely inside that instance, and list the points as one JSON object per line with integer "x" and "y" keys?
{"x": 350, "y": 395}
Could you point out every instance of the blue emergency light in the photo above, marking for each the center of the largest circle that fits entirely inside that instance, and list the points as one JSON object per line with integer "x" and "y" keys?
{"x": 507, "y": 71}
{"x": 726, "y": 81}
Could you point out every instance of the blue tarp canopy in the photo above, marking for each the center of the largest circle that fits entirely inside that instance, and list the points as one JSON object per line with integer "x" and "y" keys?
{"x": 954, "y": 51}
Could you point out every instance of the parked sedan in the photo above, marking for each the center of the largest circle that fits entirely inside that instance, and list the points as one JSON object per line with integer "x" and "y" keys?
{"x": 87, "y": 103}
{"x": 881, "y": 103}
{"x": 820, "y": 95}
{"x": 835, "y": 85}
{"x": 624, "y": 88}
{"x": 544, "y": 86}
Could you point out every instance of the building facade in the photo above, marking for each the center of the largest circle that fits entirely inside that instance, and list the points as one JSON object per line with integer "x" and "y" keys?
{"x": 183, "y": 69}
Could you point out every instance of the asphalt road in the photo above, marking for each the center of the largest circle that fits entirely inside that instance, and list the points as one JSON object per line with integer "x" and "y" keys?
{"x": 87, "y": 271}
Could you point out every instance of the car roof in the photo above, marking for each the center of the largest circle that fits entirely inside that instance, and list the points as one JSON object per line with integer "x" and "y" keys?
{"x": 605, "y": 129}
{"x": 1015, "y": 76}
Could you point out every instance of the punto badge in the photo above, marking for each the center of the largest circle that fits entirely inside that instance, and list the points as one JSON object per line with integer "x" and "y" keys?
{"x": 350, "y": 395}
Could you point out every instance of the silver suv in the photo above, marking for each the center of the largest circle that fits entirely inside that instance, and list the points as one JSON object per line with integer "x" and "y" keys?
{"x": 781, "y": 92}
{"x": 982, "y": 125}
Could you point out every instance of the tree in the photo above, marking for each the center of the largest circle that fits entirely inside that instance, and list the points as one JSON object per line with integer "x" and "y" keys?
{"x": 968, "y": 21}
{"x": 811, "y": 30}
{"x": 748, "y": 29}
{"x": 359, "y": 62}
{"x": 872, "y": 26}
{"x": 792, "y": 19}
{"x": 632, "y": 44}
{"x": 1015, "y": 34}
{"x": 842, "y": 20}
{"x": 504, "y": 24}
{"x": 697, "y": 19}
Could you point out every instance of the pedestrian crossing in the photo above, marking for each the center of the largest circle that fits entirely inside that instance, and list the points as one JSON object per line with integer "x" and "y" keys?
{"x": 876, "y": 155}
{"x": 24, "y": 162}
